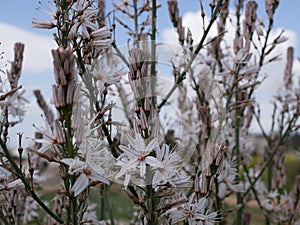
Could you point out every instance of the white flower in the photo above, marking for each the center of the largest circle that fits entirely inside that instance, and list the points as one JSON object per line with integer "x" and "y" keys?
{"x": 169, "y": 171}
{"x": 91, "y": 147}
{"x": 49, "y": 140}
{"x": 227, "y": 179}
{"x": 84, "y": 19}
{"x": 105, "y": 73}
{"x": 87, "y": 174}
{"x": 136, "y": 156}
{"x": 194, "y": 213}
{"x": 127, "y": 169}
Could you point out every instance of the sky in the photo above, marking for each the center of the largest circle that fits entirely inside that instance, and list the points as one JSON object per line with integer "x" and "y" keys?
{"x": 15, "y": 25}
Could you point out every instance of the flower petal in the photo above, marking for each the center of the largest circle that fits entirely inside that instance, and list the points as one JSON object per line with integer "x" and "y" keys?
{"x": 152, "y": 161}
{"x": 95, "y": 176}
{"x": 80, "y": 184}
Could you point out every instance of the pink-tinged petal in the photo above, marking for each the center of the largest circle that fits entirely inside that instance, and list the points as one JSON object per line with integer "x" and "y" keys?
{"x": 127, "y": 179}
{"x": 139, "y": 143}
{"x": 101, "y": 33}
{"x": 126, "y": 167}
{"x": 42, "y": 141}
{"x": 95, "y": 176}
{"x": 91, "y": 25}
{"x": 80, "y": 184}
{"x": 84, "y": 31}
{"x": 222, "y": 190}
{"x": 15, "y": 184}
{"x": 68, "y": 161}
{"x": 154, "y": 162}
{"x": 43, "y": 24}
{"x": 132, "y": 141}
{"x": 142, "y": 169}
{"x": 102, "y": 43}
{"x": 128, "y": 150}
{"x": 4, "y": 172}
{"x": 122, "y": 171}
{"x": 153, "y": 145}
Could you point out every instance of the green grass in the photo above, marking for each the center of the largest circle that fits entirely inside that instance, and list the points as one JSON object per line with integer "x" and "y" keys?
{"x": 121, "y": 204}
{"x": 257, "y": 218}
{"x": 292, "y": 167}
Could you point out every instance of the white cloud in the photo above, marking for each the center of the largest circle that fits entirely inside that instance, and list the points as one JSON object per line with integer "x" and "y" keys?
{"x": 37, "y": 72}
{"x": 37, "y": 55}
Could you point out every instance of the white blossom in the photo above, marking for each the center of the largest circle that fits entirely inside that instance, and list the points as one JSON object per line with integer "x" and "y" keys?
{"x": 49, "y": 139}
{"x": 169, "y": 172}
{"x": 194, "y": 213}
{"x": 105, "y": 76}
{"x": 227, "y": 179}
{"x": 87, "y": 174}
{"x": 136, "y": 157}
{"x": 85, "y": 18}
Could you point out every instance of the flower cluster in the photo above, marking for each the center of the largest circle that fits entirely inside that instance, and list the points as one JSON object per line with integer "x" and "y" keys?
{"x": 175, "y": 168}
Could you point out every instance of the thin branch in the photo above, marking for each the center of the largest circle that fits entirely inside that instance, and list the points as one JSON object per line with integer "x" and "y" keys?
{"x": 195, "y": 53}
{"x": 27, "y": 185}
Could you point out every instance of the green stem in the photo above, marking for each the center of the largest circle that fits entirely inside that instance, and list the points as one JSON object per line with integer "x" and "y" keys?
{"x": 270, "y": 175}
{"x": 119, "y": 53}
{"x": 262, "y": 54}
{"x": 3, "y": 218}
{"x": 218, "y": 201}
{"x": 108, "y": 206}
{"x": 193, "y": 57}
{"x": 272, "y": 154}
{"x": 74, "y": 209}
{"x": 239, "y": 197}
{"x": 136, "y": 24}
{"x": 237, "y": 154}
{"x": 71, "y": 154}
{"x": 102, "y": 204}
{"x": 151, "y": 205}
{"x": 153, "y": 51}
{"x": 27, "y": 185}
{"x": 253, "y": 189}
{"x": 64, "y": 25}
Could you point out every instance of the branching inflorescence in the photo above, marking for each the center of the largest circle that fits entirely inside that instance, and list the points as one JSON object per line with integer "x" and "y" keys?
{"x": 180, "y": 167}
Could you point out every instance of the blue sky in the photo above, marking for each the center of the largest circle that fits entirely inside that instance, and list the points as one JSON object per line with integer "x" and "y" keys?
{"x": 15, "y": 25}
{"x": 21, "y": 12}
